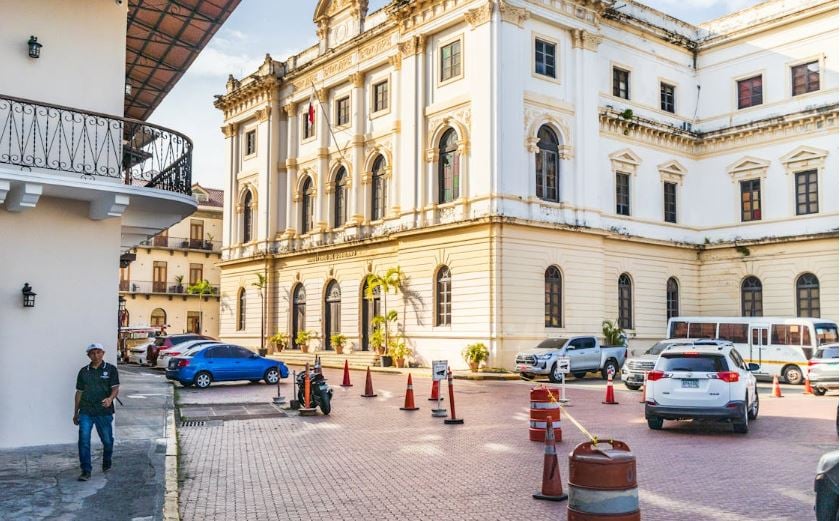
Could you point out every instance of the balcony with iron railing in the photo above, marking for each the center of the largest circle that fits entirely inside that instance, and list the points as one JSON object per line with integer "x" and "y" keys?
{"x": 161, "y": 241}
{"x": 63, "y": 140}
{"x": 148, "y": 287}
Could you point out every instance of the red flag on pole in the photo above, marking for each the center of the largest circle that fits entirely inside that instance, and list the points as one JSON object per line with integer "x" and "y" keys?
{"x": 311, "y": 113}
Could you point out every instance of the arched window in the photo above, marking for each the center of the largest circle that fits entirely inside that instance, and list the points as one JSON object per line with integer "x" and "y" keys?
{"x": 340, "y": 190}
{"x": 298, "y": 312}
{"x": 548, "y": 164}
{"x": 443, "y": 297}
{"x": 247, "y": 217}
{"x": 625, "y": 302}
{"x": 751, "y": 297}
{"x": 449, "y": 182}
{"x": 370, "y": 308}
{"x": 808, "y": 296}
{"x": 307, "y": 205}
{"x": 672, "y": 298}
{"x": 553, "y": 297}
{"x": 158, "y": 318}
{"x": 332, "y": 312}
{"x": 377, "y": 190}
{"x": 240, "y": 310}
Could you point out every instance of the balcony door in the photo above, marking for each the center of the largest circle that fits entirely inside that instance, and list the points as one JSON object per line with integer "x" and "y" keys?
{"x": 125, "y": 277}
{"x": 196, "y": 233}
{"x": 159, "y": 277}
{"x": 162, "y": 239}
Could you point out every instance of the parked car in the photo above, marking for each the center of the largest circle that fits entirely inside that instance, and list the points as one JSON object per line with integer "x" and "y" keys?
{"x": 137, "y": 354}
{"x": 585, "y": 353}
{"x": 824, "y": 370}
{"x": 164, "y": 342}
{"x": 826, "y": 485}
{"x": 223, "y": 362}
{"x": 638, "y": 364}
{"x": 165, "y": 354}
{"x": 702, "y": 380}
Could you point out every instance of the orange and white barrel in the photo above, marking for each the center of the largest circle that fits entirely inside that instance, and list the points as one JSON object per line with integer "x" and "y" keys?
{"x": 602, "y": 483}
{"x": 544, "y": 403}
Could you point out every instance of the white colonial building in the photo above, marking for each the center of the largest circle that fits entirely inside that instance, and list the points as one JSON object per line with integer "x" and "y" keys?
{"x": 534, "y": 167}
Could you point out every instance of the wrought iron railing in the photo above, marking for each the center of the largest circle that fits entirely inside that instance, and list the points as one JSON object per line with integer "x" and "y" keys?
{"x": 40, "y": 135}
{"x": 154, "y": 286}
{"x": 182, "y": 242}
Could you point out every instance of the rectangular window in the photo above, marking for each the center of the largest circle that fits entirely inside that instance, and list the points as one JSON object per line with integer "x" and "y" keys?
{"x": 622, "y": 193}
{"x": 196, "y": 233}
{"x": 450, "y": 61}
{"x": 194, "y": 322}
{"x": 702, "y": 330}
{"x": 805, "y": 78}
{"x": 621, "y": 83}
{"x": 750, "y": 92}
{"x": 735, "y": 333}
{"x": 162, "y": 239}
{"x": 544, "y": 61}
{"x": 159, "y": 277}
{"x": 308, "y": 128}
{"x": 670, "y": 191}
{"x": 666, "y": 97}
{"x": 342, "y": 111}
{"x": 250, "y": 142}
{"x": 380, "y": 96}
{"x": 125, "y": 276}
{"x": 751, "y": 200}
{"x": 806, "y": 192}
{"x": 196, "y": 273}
{"x": 679, "y": 330}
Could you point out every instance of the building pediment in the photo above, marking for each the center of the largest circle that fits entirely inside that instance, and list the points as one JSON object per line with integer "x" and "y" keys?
{"x": 625, "y": 161}
{"x": 748, "y": 167}
{"x": 804, "y": 158}
{"x": 672, "y": 171}
{"x": 338, "y": 21}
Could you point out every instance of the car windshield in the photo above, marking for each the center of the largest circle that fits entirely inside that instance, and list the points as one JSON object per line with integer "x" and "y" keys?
{"x": 826, "y": 333}
{"x": 159, "y": 341}
{"x": 552, "y": 343}
{"x": 828, "y": 352}
{"x": 691, "y": 363}
{"x": 656, "y": 349}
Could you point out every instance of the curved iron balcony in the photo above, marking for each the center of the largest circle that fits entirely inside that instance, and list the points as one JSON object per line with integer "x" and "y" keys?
{"x": 40, "y": 135}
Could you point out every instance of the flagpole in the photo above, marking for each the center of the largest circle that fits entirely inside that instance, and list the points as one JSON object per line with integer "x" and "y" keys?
{"x": 327, "y": 119}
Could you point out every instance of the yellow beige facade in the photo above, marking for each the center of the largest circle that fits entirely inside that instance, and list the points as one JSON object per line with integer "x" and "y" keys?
{"x": 527, "y": 198}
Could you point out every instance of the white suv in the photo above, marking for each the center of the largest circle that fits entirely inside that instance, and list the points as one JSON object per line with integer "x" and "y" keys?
{"x": 702, "y": 380}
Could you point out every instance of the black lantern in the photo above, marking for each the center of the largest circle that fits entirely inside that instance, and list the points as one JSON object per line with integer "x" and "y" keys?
{"x": 34, "y": 47}
{"x": 28, "y": 296}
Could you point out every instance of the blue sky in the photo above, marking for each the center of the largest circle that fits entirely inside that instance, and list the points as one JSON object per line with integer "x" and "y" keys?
{"x": 281, "y": 28}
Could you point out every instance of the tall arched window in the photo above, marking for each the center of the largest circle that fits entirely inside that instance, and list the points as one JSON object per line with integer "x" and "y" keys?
{"x": 298, "y": 311}
{"x": 672, "y": 298}
{"x": 751, "y": 297}
{"x": 548, "y": 164}
{"x": 449, "y": 182}
{"x": 625, "y": 302}
{"x": 240, "y": 310}
{"x": 340, "y": 190}
{"x": 247, "y": 217}
{"x": 377, "y": 190}
{"x": 307, "y": 205}
{"x": 808, "y": 296}
{"x": 553, "y": 297}
{"x": 332, "y": 312}
{"x": 370, "y": 308}
{"x": 158, "y": 318}
{"x": 443, "y": 297}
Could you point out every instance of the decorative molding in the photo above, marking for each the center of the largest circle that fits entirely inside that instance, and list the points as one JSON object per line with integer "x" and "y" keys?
{"x": 395, "y": 61}
{"x": 415, "y": 45}
{"x": 625, "y": 161}
{"x": 291, "y": 162}
{"x": 514, "y": 15}
{"x": 480, "y": 15}
{"x": 459, "y": 118}
{"x": 323, "y": 95}
{"x": 748, "y": 167}
{"x": 229, "y": 130}
{"x": 23, "y": 196}
{"x": 672, "y": 172}
{"x": 575, "y": 9}
{"x": 534, "y": 119}
{"x": 291, "y": 110}
{"x": 357, "y": 79}
{"x": 375, "y": 48}
{"x": 585, "y": 40}
{"x": 804, "y": 158}
{"x": 108, "y": 205}
{"x": 263, "y": 114}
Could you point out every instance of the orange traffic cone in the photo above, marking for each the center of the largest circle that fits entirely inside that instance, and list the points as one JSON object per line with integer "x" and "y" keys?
{"x": 610, "y": 398}
{"x": 409, "y": 397}
{"x": 552, "y": 483}
{"x": 808, "y": 388}
{"x": 435, "y": 391}
{"x": 368, "y": 386}
{"x": 777, "y": 391}
{"x": 346, "y": 382}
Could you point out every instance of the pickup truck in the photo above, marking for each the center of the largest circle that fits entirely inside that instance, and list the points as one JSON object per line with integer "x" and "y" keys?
{"x": 585, "y": 353}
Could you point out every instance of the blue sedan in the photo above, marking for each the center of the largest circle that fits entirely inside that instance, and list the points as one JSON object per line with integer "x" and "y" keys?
{"x": 223, "y": 363}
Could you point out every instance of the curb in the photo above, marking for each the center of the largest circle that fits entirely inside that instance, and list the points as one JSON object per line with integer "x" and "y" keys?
{"x": 485, "y": 376}
{"x": 170, "y": 498}
{"x": 418, "y": 370}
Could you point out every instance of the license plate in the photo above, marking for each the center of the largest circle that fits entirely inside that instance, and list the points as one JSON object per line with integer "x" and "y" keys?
{"x": 172, "y": 364}
{"x": 690, "y": 384}
{"x": 523, "y": 367}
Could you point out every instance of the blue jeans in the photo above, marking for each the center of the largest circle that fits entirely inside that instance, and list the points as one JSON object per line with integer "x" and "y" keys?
{"x": 105, "y": 431}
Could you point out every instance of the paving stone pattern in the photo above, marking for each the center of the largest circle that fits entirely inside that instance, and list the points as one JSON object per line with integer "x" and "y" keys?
{"x": 370, "y": 461}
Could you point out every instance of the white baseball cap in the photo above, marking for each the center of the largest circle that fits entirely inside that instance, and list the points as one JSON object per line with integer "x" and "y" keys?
{"x": 93, "y": 346}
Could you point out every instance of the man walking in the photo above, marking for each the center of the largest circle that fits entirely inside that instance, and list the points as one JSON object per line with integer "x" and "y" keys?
{"x": 97, "y": 385}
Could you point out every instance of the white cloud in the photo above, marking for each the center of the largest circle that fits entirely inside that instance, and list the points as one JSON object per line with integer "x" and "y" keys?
{"x": 213, "y": 62}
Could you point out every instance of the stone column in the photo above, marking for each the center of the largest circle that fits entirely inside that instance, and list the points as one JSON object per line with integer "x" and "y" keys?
{"x": 356, "y": 214}
{"x": 394, "y": 167}
{"x": 324, "y": 139}
{"x": 291, "y": 169}
{"x": 230, "y": 216}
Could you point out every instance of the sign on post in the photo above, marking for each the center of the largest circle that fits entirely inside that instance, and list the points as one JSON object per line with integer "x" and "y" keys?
{"x": 439, "y": 369}
{"x": 564, "y": 364}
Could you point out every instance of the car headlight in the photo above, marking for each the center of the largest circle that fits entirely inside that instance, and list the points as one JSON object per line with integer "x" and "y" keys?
{"x": 544, "y": 357}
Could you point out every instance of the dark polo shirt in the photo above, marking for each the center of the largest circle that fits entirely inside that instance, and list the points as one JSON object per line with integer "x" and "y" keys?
{"x": 95, "y": 385}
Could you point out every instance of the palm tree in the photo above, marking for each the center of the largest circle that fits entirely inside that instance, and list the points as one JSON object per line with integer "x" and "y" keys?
{"x": 392, "y": 280}
{"x": 202, "y": 288}
{"x": 260, "y": 285}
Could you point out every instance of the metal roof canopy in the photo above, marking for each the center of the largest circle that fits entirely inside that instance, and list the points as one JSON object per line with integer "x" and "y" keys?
{"x": 163, "y": 38}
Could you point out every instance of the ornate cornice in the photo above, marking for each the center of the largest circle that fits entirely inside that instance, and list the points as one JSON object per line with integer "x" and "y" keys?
{"x": 229, "y": 130}
{"x": 513, "y": 15}
{"x": 248, "y": 93}
{"x": 480, "y": 15}
{"x": 291, "y": 109}
{"x": 585, "y": 40}
{"x": 357, "y": 79}
{"x": 263, "y": 114}
{"x": 412, "y": 46}
{"x": 395, "y": 61}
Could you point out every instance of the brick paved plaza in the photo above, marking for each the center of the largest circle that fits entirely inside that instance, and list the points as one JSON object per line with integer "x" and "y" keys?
{"x": 369, "y": 460}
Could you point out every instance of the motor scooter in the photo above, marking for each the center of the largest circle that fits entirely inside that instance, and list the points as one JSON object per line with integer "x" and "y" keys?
{"x": 320, "y": 392}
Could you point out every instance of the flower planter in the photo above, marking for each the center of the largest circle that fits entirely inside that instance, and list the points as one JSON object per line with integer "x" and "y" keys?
{"x": 400, "y": 362}
{"x": 474, "y": 367}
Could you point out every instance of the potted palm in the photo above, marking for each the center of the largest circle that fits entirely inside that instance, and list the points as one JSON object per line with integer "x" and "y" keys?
{"x": 302, "y": 339}
{"x": 179, "y": 283}
{"x": 474, "y": 354}
{"x": 613, "y": 335}
{"x": 338, "y": 341}
{"x": 398, "y": 351}
{"x": 279, "y": 341}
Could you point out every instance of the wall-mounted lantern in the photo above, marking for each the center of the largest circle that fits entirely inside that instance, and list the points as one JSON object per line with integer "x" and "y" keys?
{"x": 34, "y": 47}
{"x": 28, "y": 296}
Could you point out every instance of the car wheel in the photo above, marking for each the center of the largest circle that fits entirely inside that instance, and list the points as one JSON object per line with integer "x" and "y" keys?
{"x": 743, "y": 426}
{"x": 580, "y": 374}
{"x": 792, "y": 374}
{"x": 632, "y": 387}
{"x": 818, "y": 391}
{"x": 203, "y": 380}
{"x": 272, "y": 376}
{"x": 609, "y": 365}
{"x": 655, "y": 422}
{"x": 554, "y": 376}
{"x": 753, "y": 414}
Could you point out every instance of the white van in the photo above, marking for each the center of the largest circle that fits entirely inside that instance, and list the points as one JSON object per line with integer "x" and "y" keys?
{"x": 780, "y": 346}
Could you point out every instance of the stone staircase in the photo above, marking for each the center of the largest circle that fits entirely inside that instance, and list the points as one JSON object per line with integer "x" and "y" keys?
{"x": 356, "y": 359}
